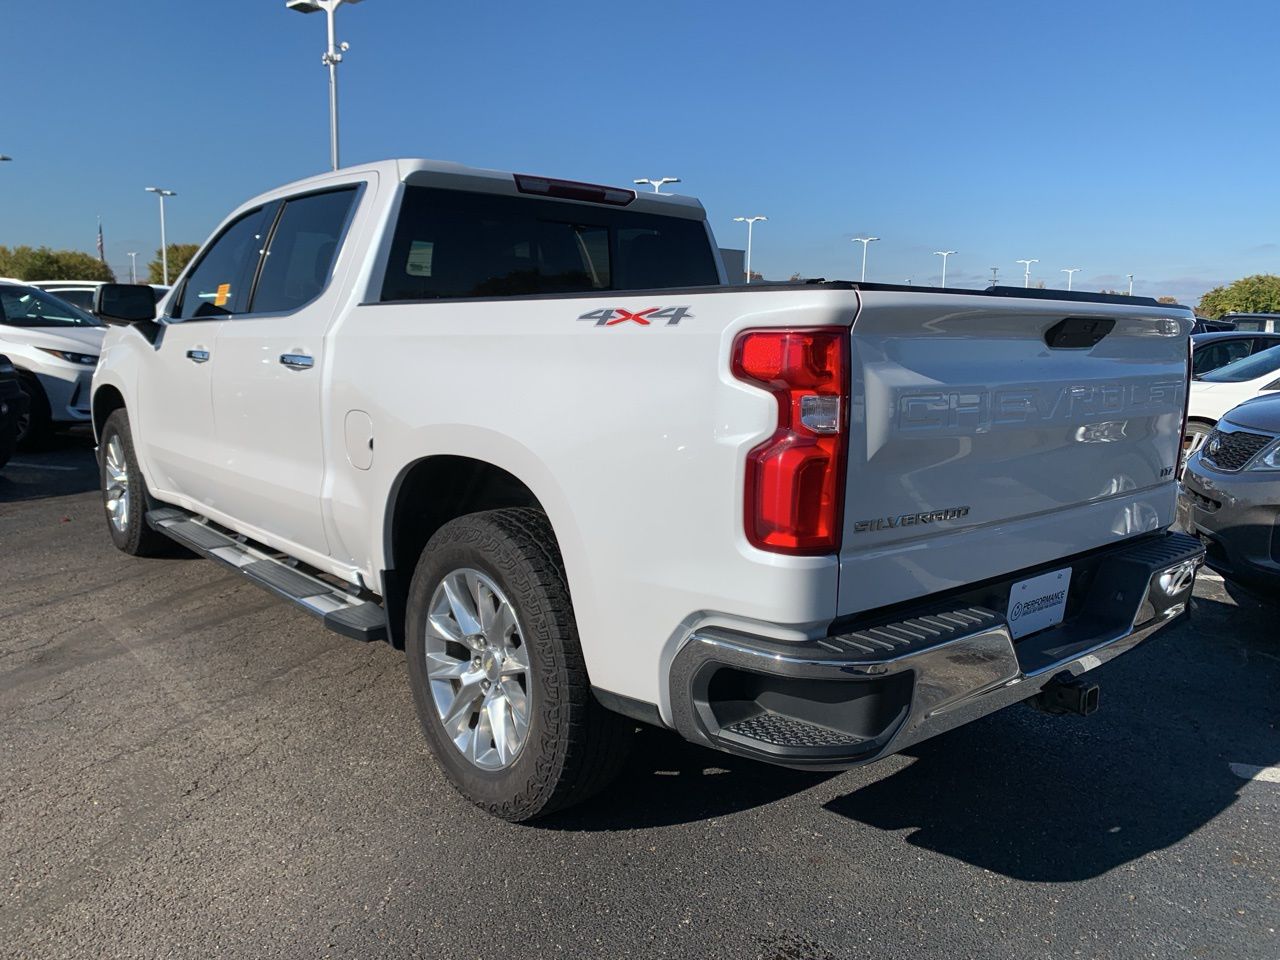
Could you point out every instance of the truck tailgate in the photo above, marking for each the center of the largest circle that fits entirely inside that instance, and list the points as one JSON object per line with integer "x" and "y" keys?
{"x": 988, "y": 435}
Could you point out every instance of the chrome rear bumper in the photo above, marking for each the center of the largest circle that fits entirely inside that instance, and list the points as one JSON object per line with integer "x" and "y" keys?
{"x": 856, "y": 697}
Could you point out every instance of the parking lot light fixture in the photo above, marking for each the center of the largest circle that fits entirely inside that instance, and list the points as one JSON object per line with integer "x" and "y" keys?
{"x": 330, "y": 58}
{"x": 133, "y": 266}
{"x": 656, "y": 184}
{"x": 943, "y": 254}
{"x": 1070, "y": 272}
{"x": 161, "y": 192}
{"x": 1026, "y": 277}
{"x": 995, "y": 276}
{"x": 1130, "y": 284}
{"x": 750, "y": 222}
{"x": 866, "y": 242}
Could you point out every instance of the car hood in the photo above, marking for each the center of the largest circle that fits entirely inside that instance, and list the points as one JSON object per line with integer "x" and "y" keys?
{"x": 76, "y": 339}
{"x": 1260, "y": 413}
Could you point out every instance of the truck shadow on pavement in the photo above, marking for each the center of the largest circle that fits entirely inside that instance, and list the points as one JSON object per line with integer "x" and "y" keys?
{"x": 669, "y": 781}
{"x": 1061, "y": 799}
{"x": 1022, "y": 794}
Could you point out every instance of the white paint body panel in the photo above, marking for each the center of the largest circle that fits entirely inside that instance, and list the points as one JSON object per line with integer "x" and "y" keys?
{"x": 633, "y": 438}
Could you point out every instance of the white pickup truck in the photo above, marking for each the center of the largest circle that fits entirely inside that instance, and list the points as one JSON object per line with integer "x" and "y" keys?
{"x": 523, "y": 429}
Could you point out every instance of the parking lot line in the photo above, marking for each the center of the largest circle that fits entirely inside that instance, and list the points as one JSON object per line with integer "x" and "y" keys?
{"x": 1247, "y": 771}
{"x": 40, "y": 466}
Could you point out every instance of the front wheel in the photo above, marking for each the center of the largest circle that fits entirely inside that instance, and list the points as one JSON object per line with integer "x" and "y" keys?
{"x": 497, "y": 672}
{"x": 1195, "y": 437}
{"x": 124, "y": 492}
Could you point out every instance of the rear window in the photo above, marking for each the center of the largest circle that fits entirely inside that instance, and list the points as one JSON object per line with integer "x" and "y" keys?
{"x": 451, "y": 244}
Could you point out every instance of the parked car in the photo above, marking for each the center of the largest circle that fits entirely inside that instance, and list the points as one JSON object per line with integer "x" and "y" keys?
{"x": 13, "y": 409}
{"x": 54, "y": 347}
{"x": 1254, "y": 322}
{"x": 608, "y": 487}
{"x": 1231, "y": 496}
{"x": 80, "y": 293}
{"x": 1217, "y": 391}
{"x": 1205, "y": 325}
{"x": 1213, "y": 350}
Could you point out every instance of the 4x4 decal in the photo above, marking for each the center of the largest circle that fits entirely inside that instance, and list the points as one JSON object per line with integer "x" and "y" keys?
{"x": 612, "y": 317}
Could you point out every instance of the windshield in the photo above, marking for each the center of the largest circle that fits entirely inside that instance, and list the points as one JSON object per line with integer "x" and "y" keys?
{"x": 1250, "y": 368}
{"x": 29, "y": 307}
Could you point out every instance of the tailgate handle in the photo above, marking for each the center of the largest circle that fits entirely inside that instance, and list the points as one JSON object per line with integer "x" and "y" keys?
{"x": 1078, "y": 333}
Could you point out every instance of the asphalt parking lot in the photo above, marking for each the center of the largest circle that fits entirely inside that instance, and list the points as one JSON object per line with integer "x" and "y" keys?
{"x": 189, "y": 767}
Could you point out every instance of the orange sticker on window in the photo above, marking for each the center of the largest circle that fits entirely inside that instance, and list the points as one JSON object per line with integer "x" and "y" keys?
{"x": 223, "y": 294}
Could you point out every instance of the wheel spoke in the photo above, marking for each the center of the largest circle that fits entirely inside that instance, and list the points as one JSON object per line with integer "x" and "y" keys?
{"x": 445, "y": 628}
{"x": 459, "y": 605}
{"x": 463, "y": 705}
{"x": 515, "y": 661}
{"x": 500, "y": 725}
{"x": 441, "y": 666}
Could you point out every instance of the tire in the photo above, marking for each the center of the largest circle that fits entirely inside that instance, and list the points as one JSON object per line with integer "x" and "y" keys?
{"x": 125, "y": 499}
{"x": 35, "y": 428}
{"x": 571, "y": 746}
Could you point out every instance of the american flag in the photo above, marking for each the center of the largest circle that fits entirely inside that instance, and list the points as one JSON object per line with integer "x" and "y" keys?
{"x": 101, "y": 252}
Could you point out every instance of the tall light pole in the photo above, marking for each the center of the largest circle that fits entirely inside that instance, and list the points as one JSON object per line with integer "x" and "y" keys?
{"x": 995, "y": 275}
{"x": 331, "y": 58}
{"x": 133, "y": 266}
{"x": 1026, "y": 277}
{"x": 164, "y": 245}
{"x": 1130, "y": 284}
{"x": 657, "y": 184}
{"x": 943, "y": 254}
{"x": 750, "y": 222}
{"x": 866, "y": 242}
{"x": 1071, "y": 273}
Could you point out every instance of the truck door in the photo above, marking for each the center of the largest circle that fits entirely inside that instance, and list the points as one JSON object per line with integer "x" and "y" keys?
{"x": 267, "y": 385}
{"x": 174, "y": 419}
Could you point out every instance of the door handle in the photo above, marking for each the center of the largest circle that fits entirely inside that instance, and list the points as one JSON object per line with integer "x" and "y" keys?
{"x": 198, "y": 356}
{"x": 297, "y": 361}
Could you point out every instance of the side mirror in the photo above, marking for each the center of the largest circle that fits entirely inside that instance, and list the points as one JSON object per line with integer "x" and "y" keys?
{"x": 125, "y": 302}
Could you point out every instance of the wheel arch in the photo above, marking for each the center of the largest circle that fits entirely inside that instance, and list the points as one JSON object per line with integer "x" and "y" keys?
{"x": 107, "y": 399}
{"x": 427, "y": 494}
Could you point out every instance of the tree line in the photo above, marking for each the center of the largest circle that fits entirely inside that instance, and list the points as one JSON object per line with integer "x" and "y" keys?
{"x": 45, "y": 263}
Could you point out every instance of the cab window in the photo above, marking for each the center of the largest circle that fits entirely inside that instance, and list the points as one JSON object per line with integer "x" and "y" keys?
{"x": 303, "y": 248}
{"x": 219, "y": 284}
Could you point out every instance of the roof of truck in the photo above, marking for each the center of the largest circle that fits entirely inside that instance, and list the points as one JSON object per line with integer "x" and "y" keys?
{"x": 458, "y": 176}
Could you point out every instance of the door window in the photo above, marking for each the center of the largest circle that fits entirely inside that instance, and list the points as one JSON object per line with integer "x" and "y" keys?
{"x": 219, "y": 284}
{"x": 303, "y": 248}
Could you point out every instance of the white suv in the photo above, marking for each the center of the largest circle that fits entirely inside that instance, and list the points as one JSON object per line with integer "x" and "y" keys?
{"x": 54, "y": 347}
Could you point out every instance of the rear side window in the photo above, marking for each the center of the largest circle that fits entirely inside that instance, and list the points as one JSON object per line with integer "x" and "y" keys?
{"x": 452, "y": 244}
{"x": 219, "y": 283}
{"x": 303, "y": 248}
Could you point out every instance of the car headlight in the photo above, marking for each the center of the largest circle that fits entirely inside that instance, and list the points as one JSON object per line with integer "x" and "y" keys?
{"x": 83, "y": 359}
{"x": 1268, "y": 459}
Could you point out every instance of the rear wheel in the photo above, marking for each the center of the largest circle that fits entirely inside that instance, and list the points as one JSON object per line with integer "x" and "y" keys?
{"x": 124, "y": 492}
{"x": 497, "y": 671}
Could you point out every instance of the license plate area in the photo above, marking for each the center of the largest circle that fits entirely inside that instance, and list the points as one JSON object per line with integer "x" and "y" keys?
{"x": 1038, "y": 603}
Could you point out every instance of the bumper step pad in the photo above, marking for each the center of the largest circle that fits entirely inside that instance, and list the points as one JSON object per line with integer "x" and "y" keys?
{"x": 339, "y": 610}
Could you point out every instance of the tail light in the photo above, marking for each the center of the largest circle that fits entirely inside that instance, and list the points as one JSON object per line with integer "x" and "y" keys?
{"x": 795, "y": 479}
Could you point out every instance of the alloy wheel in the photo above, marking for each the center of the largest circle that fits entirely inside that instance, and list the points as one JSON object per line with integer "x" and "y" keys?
{"x": 116, "y": 491}
{"x": 478, "y": 668}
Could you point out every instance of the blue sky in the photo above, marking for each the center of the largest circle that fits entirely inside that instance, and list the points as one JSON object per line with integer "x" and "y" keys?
{"x": 1115, "y": 137}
